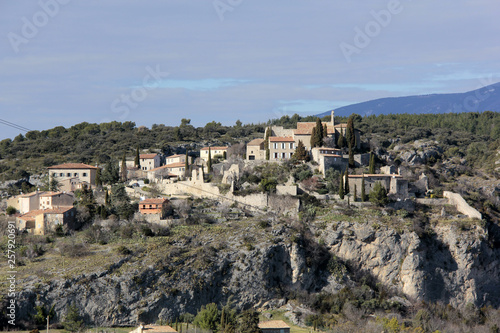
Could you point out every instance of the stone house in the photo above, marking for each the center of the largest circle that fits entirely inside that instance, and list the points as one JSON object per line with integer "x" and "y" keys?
{"x": 274, "y": 326}
{"x": 149, "y": 161}
{"x": 154, "y": 206}
{"x": 329, "y": 158}
{"x": 213, "y": 152}
{"x": 41, "y": 221}
{"x": 281, "y": 148}
{"x": 167, "y": 171}
{"x": 71, "y": 175}
{"x": 302, "y": 132}
{"x": 25, "y": 203}
{"x": 255, "y": 150}
{"x": 178, "y": 158}
{"x": 394, "y": 184}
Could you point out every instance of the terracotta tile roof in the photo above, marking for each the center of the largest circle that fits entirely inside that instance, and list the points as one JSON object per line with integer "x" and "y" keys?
{"x": 343, "y": 125}
{"x": 31, "y": 214}
{"x": 27, "y": 195}
{"x": 174, "y": 156}
{"x": 58, "y": 210}
{"x": 51, "y": 194}
{"x": 367, "y": 175}
{"x": 72, "y": 166}
{"x": 158, "y": 329}
{"x": 273, "y": 324}
{"x": 171, "y": 165}
{"x": 255, "y": 142}
{"x": 281, "y": 139}
{"x": 331, "y": 155}
{"x": 153, "y": 201}
{"x": 307, "y": 127}
{"x": 214, "y": 148}
{"x": 146, "y": 156}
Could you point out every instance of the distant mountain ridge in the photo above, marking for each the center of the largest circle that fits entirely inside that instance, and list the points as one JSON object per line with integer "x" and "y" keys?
{"x": 483, "y": 99}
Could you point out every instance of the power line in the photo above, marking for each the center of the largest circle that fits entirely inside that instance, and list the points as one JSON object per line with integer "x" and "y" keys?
{"x": 19, "y": 127}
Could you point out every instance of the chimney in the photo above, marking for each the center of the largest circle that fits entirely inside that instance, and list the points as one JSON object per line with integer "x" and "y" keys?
{"x": 333, "y": 119}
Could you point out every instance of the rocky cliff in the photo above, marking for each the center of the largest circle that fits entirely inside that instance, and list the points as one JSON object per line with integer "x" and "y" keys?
{"x": 257, "y": 264}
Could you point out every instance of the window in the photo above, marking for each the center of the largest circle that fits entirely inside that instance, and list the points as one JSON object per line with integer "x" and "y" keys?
{"x": 275, "y": 145}
{"x": 61, "y": 174}
{"x": 75, "y": 174}
{"x": 283, "y": 155}
{"x": 276, "y": 155}
{"x": 68, "y": 174}
{"x": 283, "y": 145}
{"x": 84, "y": 174}
{"x": 291, "y": 145}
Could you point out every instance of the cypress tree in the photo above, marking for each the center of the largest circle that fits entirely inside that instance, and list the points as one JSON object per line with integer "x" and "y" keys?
{"x": 209, "y": 161}
{"x": 346, "y": 185}
{"x": 123, "y": 175}
{"x": 351, "y": 139}
{"x": 340, "y": 143}
{"x": 371, "y": 167}
{"x": 363, "y": 194}
{"x": 266, "y": 143}
{"x": 186, "y": 165}
{"x": 314, "y": 137}
{"x": 98, "y": 180}
{"x": 137, "y": 161}
{"x": 341, "y": 187}
{"x": 325, "y": 134}
{"x": 351, "y": 157}
{"x": 300, "y": 153}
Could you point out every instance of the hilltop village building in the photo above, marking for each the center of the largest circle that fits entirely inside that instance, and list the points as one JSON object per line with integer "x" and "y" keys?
{"x": 213, "y": 152}
{"x": 72, "y": 176}
{"x": 149, "y": 161}
{"x": 282, "y": 142}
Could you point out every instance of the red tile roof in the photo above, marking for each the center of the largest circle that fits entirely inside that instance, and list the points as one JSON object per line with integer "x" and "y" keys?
{"x": 331, "y": 155}
{"x": 153, "y": 201}
{"x": 281, "y": 139}
{"x": 59, "y": 210}
{"x": 214, "y": 148}
{"x": 255, "y": 142}
{"x": 72, "y": 166}
{"x": 176, "y": 155}
{"x": 147, "y": 156}
{"x": 306, "y": 128}
{"x": 171, "y": 165}
{"x": 273, "y": 324}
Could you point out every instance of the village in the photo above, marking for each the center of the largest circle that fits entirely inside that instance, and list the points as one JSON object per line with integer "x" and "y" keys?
{"x": 153, "y": 180}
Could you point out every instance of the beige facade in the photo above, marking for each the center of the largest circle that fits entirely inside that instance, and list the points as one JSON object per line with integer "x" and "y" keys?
{"x": 71, "y": 174}
{"x": 213, "y": 152}
{"x": 149, "y": 161}
{"x": 168, "y": 171}
{"x": 281, "y": 148}
{"x": 25, "y": 203}
{"x": 178, "y": 158}
{"x": 255, "y": 150}
{"x": 42, "y": 221}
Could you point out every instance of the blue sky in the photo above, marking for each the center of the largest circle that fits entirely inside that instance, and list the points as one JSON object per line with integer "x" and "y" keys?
{"x": 63, "y": 62}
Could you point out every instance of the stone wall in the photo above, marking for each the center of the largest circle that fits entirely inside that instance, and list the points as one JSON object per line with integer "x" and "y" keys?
{"x": 462, "y": 206}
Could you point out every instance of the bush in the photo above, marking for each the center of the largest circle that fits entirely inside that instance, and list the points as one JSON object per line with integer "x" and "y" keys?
{"x": 123, "y": 250}
{"x": 11, "y": 210}
{"x": 378, "y": 195}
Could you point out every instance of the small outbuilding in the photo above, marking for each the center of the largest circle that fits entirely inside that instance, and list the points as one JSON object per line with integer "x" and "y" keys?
{"x": 274, "y": 326}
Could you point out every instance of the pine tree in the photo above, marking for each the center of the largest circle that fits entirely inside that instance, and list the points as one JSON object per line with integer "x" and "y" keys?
{"x": 341, "y": 186}
{"x": 363, "y": 193}
{"x": 346, "y": 185}
{"x": 137, "y": 160}
{"x": 186, "y": 165}
{"x": 123, "y": 175}
{"x": 300, "y": 153}
{"x": 209, "y": 161}
{"x": 371, "y": 167}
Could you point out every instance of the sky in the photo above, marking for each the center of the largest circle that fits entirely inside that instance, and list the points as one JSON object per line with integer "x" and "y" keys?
{"x": 64, "y": 62}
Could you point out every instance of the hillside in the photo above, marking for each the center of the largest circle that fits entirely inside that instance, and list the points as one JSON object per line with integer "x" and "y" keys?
{"x": 482, "y": 99}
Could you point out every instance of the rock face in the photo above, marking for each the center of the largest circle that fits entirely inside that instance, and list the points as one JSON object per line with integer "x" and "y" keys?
{"x": 451, "y": 265}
